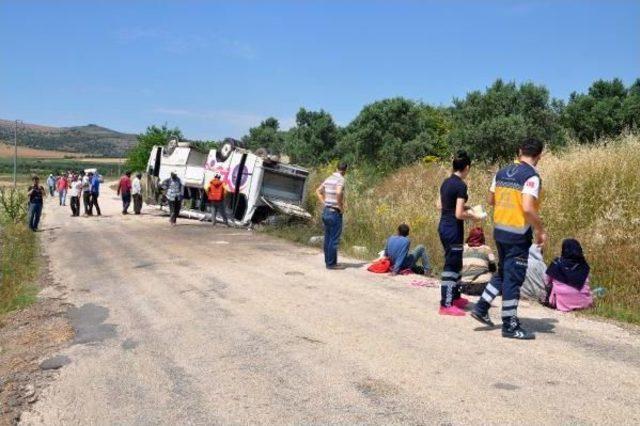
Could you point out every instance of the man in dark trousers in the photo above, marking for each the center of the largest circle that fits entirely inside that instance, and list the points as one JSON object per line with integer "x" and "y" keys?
{"x": 453, "y": 212}
{"x": 95, "y": 192}
{"x": 124, "y": 190}
{"x": 215, "y": 195}
{"x": 36, "y": 194}
{"x": 173, "y": 187}
{"x": 514, "y": 195}
{"x": 331, "y": 194}
{"x": 86, "y": 194}
{"x": 136, "y": 193}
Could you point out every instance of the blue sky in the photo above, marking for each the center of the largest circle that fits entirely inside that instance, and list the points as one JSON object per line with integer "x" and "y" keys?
{"x": 214, "y": 69}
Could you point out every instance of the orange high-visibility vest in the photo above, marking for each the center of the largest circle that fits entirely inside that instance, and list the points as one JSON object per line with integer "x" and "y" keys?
{"x": 216, "y": 190}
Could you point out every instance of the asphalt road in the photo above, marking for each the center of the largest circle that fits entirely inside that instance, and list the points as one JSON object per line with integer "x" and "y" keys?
{"x": 194, "y": 325}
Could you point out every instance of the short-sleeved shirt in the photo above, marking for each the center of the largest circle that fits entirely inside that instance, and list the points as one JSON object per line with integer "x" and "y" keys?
{"x": 37, "y": 194}
{"x": 75, "y": 188}
{"x": 531, "y": 186}
{"x": 332, "y": 185}
{"x": 452, "y": 188}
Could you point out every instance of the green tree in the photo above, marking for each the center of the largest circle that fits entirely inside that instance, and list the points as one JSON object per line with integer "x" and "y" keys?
{"x": 607, "y": 109}
{"x": 313, "y": 140}
{"x": 139, "y": 154}
{"x": 266, "y": 135}
{"x": 393, "y": 132}
{"x": 491, "y": 125}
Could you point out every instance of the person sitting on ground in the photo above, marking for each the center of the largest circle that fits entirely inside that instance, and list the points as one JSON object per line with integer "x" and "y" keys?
{"x": 478, "y": 263}
{"x": 397, "y": 250}
{"x": 568, "y": 279}
{"x": 534, "y": 286}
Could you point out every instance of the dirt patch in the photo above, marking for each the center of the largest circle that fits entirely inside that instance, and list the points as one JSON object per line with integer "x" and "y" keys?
{"x": 29, "y": 340}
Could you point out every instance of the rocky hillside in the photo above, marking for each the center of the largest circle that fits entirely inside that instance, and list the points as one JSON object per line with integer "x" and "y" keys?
{"x": 90, "y": 139}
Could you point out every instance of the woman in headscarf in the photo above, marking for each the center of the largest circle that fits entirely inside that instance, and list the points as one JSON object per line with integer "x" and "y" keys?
{"x": 568, "y": 279}
{"x": 478, "y": 263}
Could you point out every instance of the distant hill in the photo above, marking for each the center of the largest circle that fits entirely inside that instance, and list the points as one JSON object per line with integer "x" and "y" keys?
{"x": 91, "y": 139}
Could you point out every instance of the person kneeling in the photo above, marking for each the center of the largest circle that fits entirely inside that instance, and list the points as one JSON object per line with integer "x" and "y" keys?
{"x": 397, "y": 250}
{"x": 568, "y": 279}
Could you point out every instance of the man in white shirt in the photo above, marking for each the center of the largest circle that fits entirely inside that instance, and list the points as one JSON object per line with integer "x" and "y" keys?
{"x": 86, "y": 195}
{"x": 75, "y": 189}
{"x": 136, "y": 193}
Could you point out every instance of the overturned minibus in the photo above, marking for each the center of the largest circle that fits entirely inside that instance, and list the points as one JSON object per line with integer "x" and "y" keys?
{"x": 257, "y": 186}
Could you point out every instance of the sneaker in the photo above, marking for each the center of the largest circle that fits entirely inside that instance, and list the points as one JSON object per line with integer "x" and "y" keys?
{"x": 461, "y": 302}
{"x": 452, "y": 311}
{"x": 483, "y": 318}
{"x": 515, "y": 331}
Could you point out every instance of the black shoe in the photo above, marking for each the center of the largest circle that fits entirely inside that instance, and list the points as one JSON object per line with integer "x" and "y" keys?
{"x": 336, "y": 267}
{"x": 517, "y": 332}
{"x": 483, "y": 318}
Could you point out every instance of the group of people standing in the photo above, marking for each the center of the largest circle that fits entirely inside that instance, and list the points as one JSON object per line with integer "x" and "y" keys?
{"x": 78, "y": 186}
{"x": 515, "y": 195}
{"x": 130, "y": 189}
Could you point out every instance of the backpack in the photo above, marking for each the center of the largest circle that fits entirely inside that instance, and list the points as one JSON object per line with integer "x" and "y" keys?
{"x": 380, "y": 266}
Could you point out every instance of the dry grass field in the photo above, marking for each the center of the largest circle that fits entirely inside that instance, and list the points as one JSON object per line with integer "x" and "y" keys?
{"x": 6, "y": 150}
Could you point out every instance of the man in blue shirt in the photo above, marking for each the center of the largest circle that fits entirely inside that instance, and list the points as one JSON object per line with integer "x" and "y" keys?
{"x": 95, "y": 191}
{"x": 397, "y": 250}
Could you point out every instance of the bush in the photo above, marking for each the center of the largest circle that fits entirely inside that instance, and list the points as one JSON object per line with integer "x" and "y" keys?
{"x": 491, "y": 125}
{"x": 13, "y": 205}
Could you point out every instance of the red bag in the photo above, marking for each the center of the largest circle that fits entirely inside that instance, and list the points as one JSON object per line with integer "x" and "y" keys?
{"x": 380, "y": 266}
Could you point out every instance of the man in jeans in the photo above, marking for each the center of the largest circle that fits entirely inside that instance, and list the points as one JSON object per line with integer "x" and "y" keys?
{"x": 124, "y": 190}
{"x": 173, "y": 188}
{"x": 62, "y": 186}
{"x": 331, "y": 194}
{"x": 36, "y": 194}
{"x": 397, "y": 250}
{"x": 515, "y": 195}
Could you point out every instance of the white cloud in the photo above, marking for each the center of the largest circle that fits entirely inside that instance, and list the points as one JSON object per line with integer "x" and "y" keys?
{"x": 241, "y": 121}
{"x": 182, "y": 42}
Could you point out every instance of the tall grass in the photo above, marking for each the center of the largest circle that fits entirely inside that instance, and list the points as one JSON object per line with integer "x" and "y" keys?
{"x": 18, "y": 252}
{"x": 589, "y": 193}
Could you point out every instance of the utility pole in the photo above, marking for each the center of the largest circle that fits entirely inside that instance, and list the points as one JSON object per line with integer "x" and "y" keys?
{"x": 15, "y": 153}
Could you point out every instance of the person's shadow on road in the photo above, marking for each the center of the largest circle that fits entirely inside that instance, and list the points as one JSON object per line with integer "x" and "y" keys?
{"x": 352, "y": 265}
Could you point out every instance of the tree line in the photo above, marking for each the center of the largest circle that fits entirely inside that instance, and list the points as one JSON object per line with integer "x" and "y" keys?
{"x": 488, "y": 124}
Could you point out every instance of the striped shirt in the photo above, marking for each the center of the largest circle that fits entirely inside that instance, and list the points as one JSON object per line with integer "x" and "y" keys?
{"x": 475, "y": 264}
{"x": 331, "y": 186}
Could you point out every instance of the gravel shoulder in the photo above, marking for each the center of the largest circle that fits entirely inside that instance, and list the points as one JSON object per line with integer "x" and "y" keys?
{"x": 194, "y": 325}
